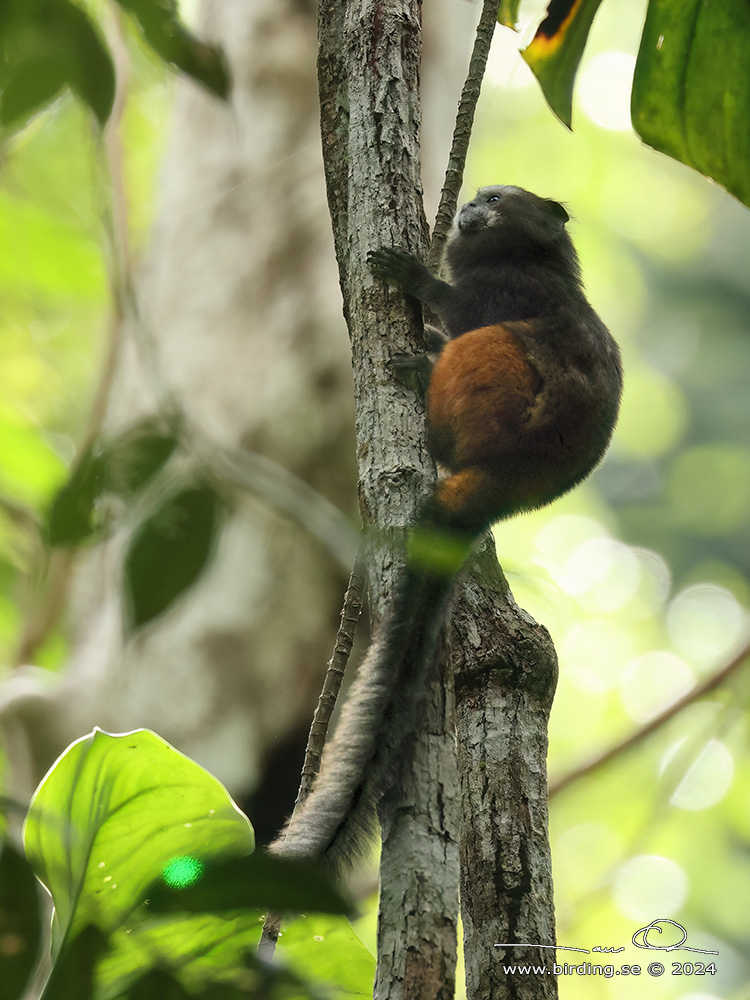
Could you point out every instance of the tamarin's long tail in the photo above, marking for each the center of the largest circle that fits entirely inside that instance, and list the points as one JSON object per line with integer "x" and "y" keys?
{"x": 337, "y": 821}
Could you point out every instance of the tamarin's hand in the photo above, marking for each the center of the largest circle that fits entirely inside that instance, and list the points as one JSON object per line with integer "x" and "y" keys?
{"x": 521, "y": 404}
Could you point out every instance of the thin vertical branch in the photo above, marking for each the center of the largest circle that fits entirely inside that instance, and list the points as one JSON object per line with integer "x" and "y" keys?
{"x": 333, "y": 94}
{"x": 350, "y": 615}
{"x": 454, "y": 174}
{"x": 342, "y": 648}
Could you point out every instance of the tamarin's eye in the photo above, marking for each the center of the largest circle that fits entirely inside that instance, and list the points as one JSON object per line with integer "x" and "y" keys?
{"x": 494, "y": 197}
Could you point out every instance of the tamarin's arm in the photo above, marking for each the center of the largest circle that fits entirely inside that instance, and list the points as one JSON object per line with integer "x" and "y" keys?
{"x": 410, "y": 274}
{"x": 521, "y": 404}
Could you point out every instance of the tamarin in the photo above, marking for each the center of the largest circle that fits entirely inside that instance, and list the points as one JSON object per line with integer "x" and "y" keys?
{"x": 521, "y": 404}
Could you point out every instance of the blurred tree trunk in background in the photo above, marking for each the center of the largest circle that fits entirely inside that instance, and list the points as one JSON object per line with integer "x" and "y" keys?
{"x": 238, "y": 290}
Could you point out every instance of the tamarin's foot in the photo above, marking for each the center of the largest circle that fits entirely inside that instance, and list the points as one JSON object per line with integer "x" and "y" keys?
{"x": 412, "y": 370}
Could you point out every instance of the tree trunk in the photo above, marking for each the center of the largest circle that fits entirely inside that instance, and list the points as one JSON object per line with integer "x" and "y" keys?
{"x": 368, "y": 69}
{"x": 369, "y": 80}
{"x": 505, "y": 676}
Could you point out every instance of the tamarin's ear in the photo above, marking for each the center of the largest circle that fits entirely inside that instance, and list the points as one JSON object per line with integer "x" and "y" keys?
{"x": 557, "y": 210}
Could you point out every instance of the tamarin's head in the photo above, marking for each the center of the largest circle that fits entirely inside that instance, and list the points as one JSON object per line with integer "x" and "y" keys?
{"x": 506, "y": 223}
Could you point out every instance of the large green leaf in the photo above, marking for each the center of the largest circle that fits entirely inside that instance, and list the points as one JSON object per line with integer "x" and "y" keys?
{"x": 196, "y": 949}
{"x": 20, "y": 921}
{"x": 72, "y": 975}
{"x": 262, "y": 981}
{"x": 691, "y": 92}
{"x": 556, "y": 50}
{"x": 169, "y": 551}
{"x": 112, "y": 814}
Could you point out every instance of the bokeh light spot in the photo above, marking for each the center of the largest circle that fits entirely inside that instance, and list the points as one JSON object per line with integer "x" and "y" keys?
{"x": 708, "y": 778}
{"x": 604, "y": 89}
{"x": 649, "y": 884}
{"x": 705, "y": 623}
{"x": 653, "y": 682}
{"x": 654, "y": 414}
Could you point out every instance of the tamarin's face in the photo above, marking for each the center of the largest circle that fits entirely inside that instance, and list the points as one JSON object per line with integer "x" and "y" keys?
{"x": 506, "y": 221}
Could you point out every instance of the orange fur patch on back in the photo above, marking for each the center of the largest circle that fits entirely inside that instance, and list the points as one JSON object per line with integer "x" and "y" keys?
{"x": 481, "y": 394}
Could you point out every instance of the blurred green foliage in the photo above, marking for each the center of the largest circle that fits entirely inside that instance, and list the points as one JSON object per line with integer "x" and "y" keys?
{"x": 48, "y": 47}
{"x": 55, "y": 311}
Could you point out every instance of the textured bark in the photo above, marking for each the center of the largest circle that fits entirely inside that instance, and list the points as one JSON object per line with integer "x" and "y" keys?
{"x": 505, "y": 664}
{"x": 368, "y": 71}
{"x": 505, "y": 676}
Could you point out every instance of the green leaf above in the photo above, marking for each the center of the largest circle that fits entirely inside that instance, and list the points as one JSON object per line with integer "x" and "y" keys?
{"x": 691, "y": 92}
{"x": 20, "y": 921}
{"x": 47, "y": 45}
{"x": 168, "y": 37}
{"x": 507, "y": 13}
{"x": 111, "y": 814}
{"x": 28, "y": 87}
{"x": 556, "y": 49}
{"x": 169, "y": 551}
